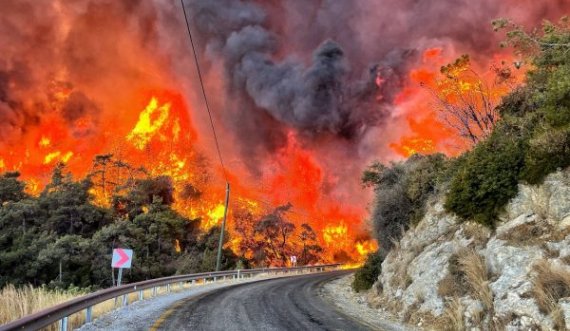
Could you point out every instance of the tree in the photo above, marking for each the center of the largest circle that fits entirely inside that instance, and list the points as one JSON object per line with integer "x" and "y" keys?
{"x": 11, "y": 189}
{"x": 310, "y": 246}
{"x": 401, "y": 191}
{"x": 142, "y": 194}
{"x": 21, "y": 240}
{"x": 69, "y": 206}
{"x": 466, "y": 102}
{"x": 202, "y": 255}
{"x": 244, "y": 227}
{"x": 275, "y": 233}
{"x": 547, "y": 45}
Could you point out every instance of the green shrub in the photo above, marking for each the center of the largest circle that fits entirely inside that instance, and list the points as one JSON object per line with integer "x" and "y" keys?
{"x": 487, "y": 179}
{"x": 401, "y": 192}
{"x": 547, "y": 152}
{"x": 365, "y": 277}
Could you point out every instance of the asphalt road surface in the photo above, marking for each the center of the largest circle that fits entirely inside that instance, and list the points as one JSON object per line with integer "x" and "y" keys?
{"x": 278, "y": 304}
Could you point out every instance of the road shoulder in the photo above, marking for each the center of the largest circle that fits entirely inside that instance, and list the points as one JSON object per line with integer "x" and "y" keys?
{"x": 339, "y": 294}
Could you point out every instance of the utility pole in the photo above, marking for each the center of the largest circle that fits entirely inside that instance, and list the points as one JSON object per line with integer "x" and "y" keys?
{"x": 221, "y": 243}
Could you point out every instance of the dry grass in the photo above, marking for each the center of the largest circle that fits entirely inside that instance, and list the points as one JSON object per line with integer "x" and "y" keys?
{"x": 392, "y": 306}
{"x": 401, "y": 279}
{"x": 16, "y": 303}
{"x": 526, "y": 234}
{"x": 534, "y": 233}
{"x": 479, "y": 233}
{"x": 452, "y": 317}
{"x": 412, "y": 313}
{"x": 425, "y": 320}
{"x": 467, "y": 275}
{"x": 549, "y": 252}
{"x": 475, "y": 270}
{"x": 550, "y": 284}
{"x": 454, "y": 284}
{"x": 557, "y": 316}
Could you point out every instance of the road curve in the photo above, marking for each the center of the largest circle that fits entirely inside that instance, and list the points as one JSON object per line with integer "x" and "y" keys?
{"x": 290, "y": 303}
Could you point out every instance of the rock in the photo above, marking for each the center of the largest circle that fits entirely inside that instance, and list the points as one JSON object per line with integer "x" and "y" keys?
{"x": 426, "y": 271}
{"x": 565, "y": 223}
{"x": 506, "y": 227}
{"x": 558, "y": 188}
{"x": 565, "y": 305}
{"x": 411, "y": 273}
{"x": 549, "y": 200}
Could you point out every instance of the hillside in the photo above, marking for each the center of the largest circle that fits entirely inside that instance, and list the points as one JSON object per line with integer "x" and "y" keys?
{"x": 445, "y": 273}
{"x": 480, "y": 241}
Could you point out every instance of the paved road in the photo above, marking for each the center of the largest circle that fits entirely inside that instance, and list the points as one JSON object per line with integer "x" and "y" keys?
{"x": 277, "y": 304}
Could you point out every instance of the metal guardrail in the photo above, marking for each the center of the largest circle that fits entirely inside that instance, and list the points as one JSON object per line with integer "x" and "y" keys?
{"x": 62, "y": 311}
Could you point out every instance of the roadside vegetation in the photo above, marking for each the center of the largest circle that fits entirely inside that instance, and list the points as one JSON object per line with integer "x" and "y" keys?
{"x": 368, "y": 273}
{"x": 57, "y": 245}
{"x": 63, "y": 238}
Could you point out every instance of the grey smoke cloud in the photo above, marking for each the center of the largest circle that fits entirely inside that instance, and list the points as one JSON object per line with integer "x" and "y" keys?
{"x": 322, "y": 96}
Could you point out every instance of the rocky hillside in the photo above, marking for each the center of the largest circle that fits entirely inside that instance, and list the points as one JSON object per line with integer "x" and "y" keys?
{"x": 446, "y": 274}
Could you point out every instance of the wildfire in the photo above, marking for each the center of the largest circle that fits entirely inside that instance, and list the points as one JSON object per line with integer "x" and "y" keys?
{"x": 366, "y": 247}
{"x": 57, "y": 155}
{"x": 150, "y": 121}
{"x": 44, "y": 142}
{"x": 215, "y": 216}
{"x": 335, "y": 234}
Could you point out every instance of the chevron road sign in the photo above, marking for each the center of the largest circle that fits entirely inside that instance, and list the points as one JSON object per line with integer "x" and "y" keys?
{"x": 122, "y": 258}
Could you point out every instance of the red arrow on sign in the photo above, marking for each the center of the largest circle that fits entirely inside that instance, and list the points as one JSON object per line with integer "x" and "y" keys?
{"x": 124, "y": 258}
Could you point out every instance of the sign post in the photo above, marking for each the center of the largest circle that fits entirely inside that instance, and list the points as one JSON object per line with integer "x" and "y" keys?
{"x": 294, "y": 260}
{"x": 122, "y": 258}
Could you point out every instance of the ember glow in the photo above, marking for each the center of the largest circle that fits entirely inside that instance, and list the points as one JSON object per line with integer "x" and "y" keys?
{"x": 299, "y": 115}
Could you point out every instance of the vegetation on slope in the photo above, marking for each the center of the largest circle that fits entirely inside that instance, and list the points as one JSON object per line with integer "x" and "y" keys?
{"x": 62, "y": 238}
{"x": 529, "y": 141}
{"x": 533, "y": 137}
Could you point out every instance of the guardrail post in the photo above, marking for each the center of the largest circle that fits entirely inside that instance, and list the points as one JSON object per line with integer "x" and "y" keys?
{"x": 125, "y": 300}
{"x": 63, "y": 324}
{"x": 154, "y": 291}
{"x": 193, "y": 282}
{"x": 238, "y": 274}
{"x": 88, "y": 314}
{"x": 168, "y": 288}
{"x": 141, "y": 295}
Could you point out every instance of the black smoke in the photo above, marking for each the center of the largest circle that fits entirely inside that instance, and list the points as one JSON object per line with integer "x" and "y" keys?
{"x": 323, "y": 96}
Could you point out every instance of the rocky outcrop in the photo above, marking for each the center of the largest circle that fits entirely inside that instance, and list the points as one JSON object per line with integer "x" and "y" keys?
{"x": 447, "y": 274}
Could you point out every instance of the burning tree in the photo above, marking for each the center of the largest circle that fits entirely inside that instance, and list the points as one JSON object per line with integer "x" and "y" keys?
{"x": 275, "y": 232}
{"x": 310, "y": 248}
{"x": 466, "y": 102}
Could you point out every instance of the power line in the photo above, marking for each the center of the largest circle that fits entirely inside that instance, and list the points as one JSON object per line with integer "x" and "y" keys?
{"x": 203, "y": 90}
